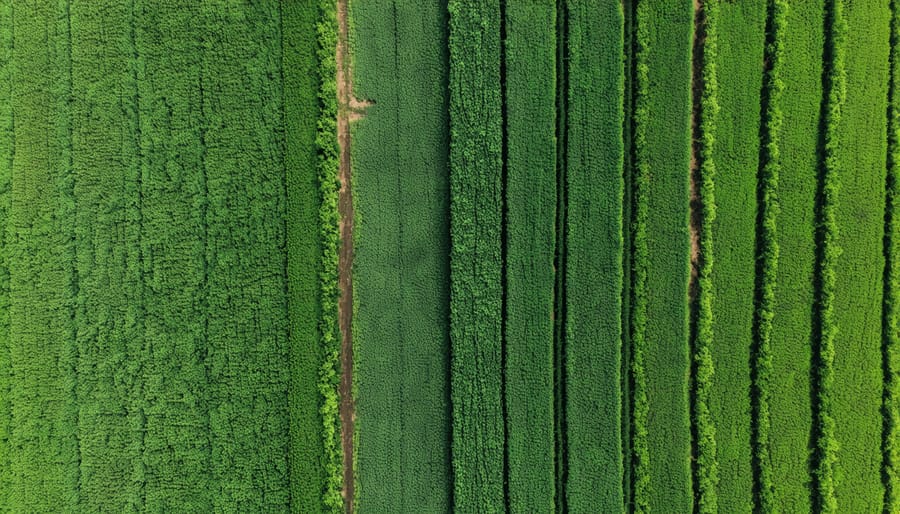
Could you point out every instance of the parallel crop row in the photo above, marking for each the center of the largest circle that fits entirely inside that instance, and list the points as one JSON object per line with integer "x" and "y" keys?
{"x": 43, "y": 441}
{"x": 640, "y": 452}
{"x": 106, "y": 168}
{"x": 593, "y": 256}
{"x": 530, "y": 196}
{"x": 246, "y": 326}
{"x": 401, "y": 349}
{"x": 860, "y": 54}
{"x": 740, "y": 28}
{"x": 173, "y": 236}
{"x": 660, "y": 360}
{"x": 476, "y": 141}
{"x": 304, "y": 253}
{"x": 790, "y": 409}
{"x": 7, "y": 138}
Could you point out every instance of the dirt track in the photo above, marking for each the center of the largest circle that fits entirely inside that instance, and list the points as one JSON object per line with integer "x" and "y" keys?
{"x": 345, "y": 260}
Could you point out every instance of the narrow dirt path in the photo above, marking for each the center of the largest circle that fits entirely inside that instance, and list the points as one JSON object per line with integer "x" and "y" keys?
{"x": 696, "y": 93}
{"x": 345, "y": 259}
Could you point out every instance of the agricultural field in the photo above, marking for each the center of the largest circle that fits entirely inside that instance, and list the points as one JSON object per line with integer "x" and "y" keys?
{"x": 397, "y": 256}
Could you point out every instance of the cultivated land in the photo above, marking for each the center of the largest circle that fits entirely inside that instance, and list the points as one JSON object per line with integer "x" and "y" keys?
{"x": 605, "y": 256}
{"x": 172, "y": 232}
{"x": 401, "y": 265}
{"x": 663, "y": 139}
{"x": 593, "y": 257}
{"x": 741, "y": 40}
{"x": 304, "y": 250}
{"x": 791, "y": 348}
{"x": 530, "y": 224}
{"x": 859, "y": 214}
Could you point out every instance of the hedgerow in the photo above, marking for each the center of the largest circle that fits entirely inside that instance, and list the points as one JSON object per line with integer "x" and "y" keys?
{"x": 826, "y": 445}
{"x": 767, "y": 250}
{"x": 707, "y": 111}
{"x": 640, "y": 463}
{"x": 329, "y": 219}
{"x": 891, "y": 305}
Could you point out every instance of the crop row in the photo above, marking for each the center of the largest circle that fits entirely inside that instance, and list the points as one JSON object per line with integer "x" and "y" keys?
{"x": 593, "y": 257}
{"x": 6, "y": 156}
{"x": 862, "y": 41}
{"x": 305, "y": 256}
{"x": 476, "y": 290}
{"x": 401, "y": 277}
{"x": 530, "y": 196}
{"x": 824, "y": 327}
{"x": 661, "y": 443}
{"x": 144, "y": 295}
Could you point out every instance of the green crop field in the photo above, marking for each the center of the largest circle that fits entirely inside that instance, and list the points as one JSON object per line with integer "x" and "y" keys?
{"x": 799, "y": 105}
{"x": 740, "y": 29}
{"x": 662, "y": 255}
{"x": 401, "y": 269}
{"x": 396, "y": 256}
{"x": 859, "y": 214}
{"x": 530, "y": 224}
{"x": 593, "y": 258}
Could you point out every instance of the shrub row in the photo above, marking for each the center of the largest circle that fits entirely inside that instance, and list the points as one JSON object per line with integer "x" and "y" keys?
{"x": 825, "y": 446}
{"x": 767, "y": 254}
{"x": 706, "y": 112}
{"x": 640, "y": 474}
{"x": 891, "y": 309}
{"x": 329, "y": 219}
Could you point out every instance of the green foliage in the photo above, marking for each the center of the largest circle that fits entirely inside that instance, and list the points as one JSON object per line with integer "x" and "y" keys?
{"x": 7, "y": 134}
{"x": 640, "y": 262}
{"x": 790, "y": 410}
{"x": 401, "y": 262}
{"x": 593, "y": 246}
{"x": 475, "y": 255}
{"x": 891, "y": 305}
{"x": 173, "y": 240}
{"x": 329, "y": 220}
{"x": 530, "y": 196}
{"x": 304, "y": 254}
{"x": 740, "y": 30}
{"x": 827, "y": 252}
{"x": 706, "y": 113}
{"x": 147, "y": 307}
{"x": 43, "y": 443}
{"x": 767, "y": 253}
{"x": 107, "y": 255}
{"x": 861, "y": 39}
{"x": 661, "y": 262}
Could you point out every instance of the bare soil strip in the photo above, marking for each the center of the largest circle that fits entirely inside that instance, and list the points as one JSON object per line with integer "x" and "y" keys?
{"x": 696, "y": 221}
{"x": 345, "y": 259}
{"x": 696, "y": 92}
